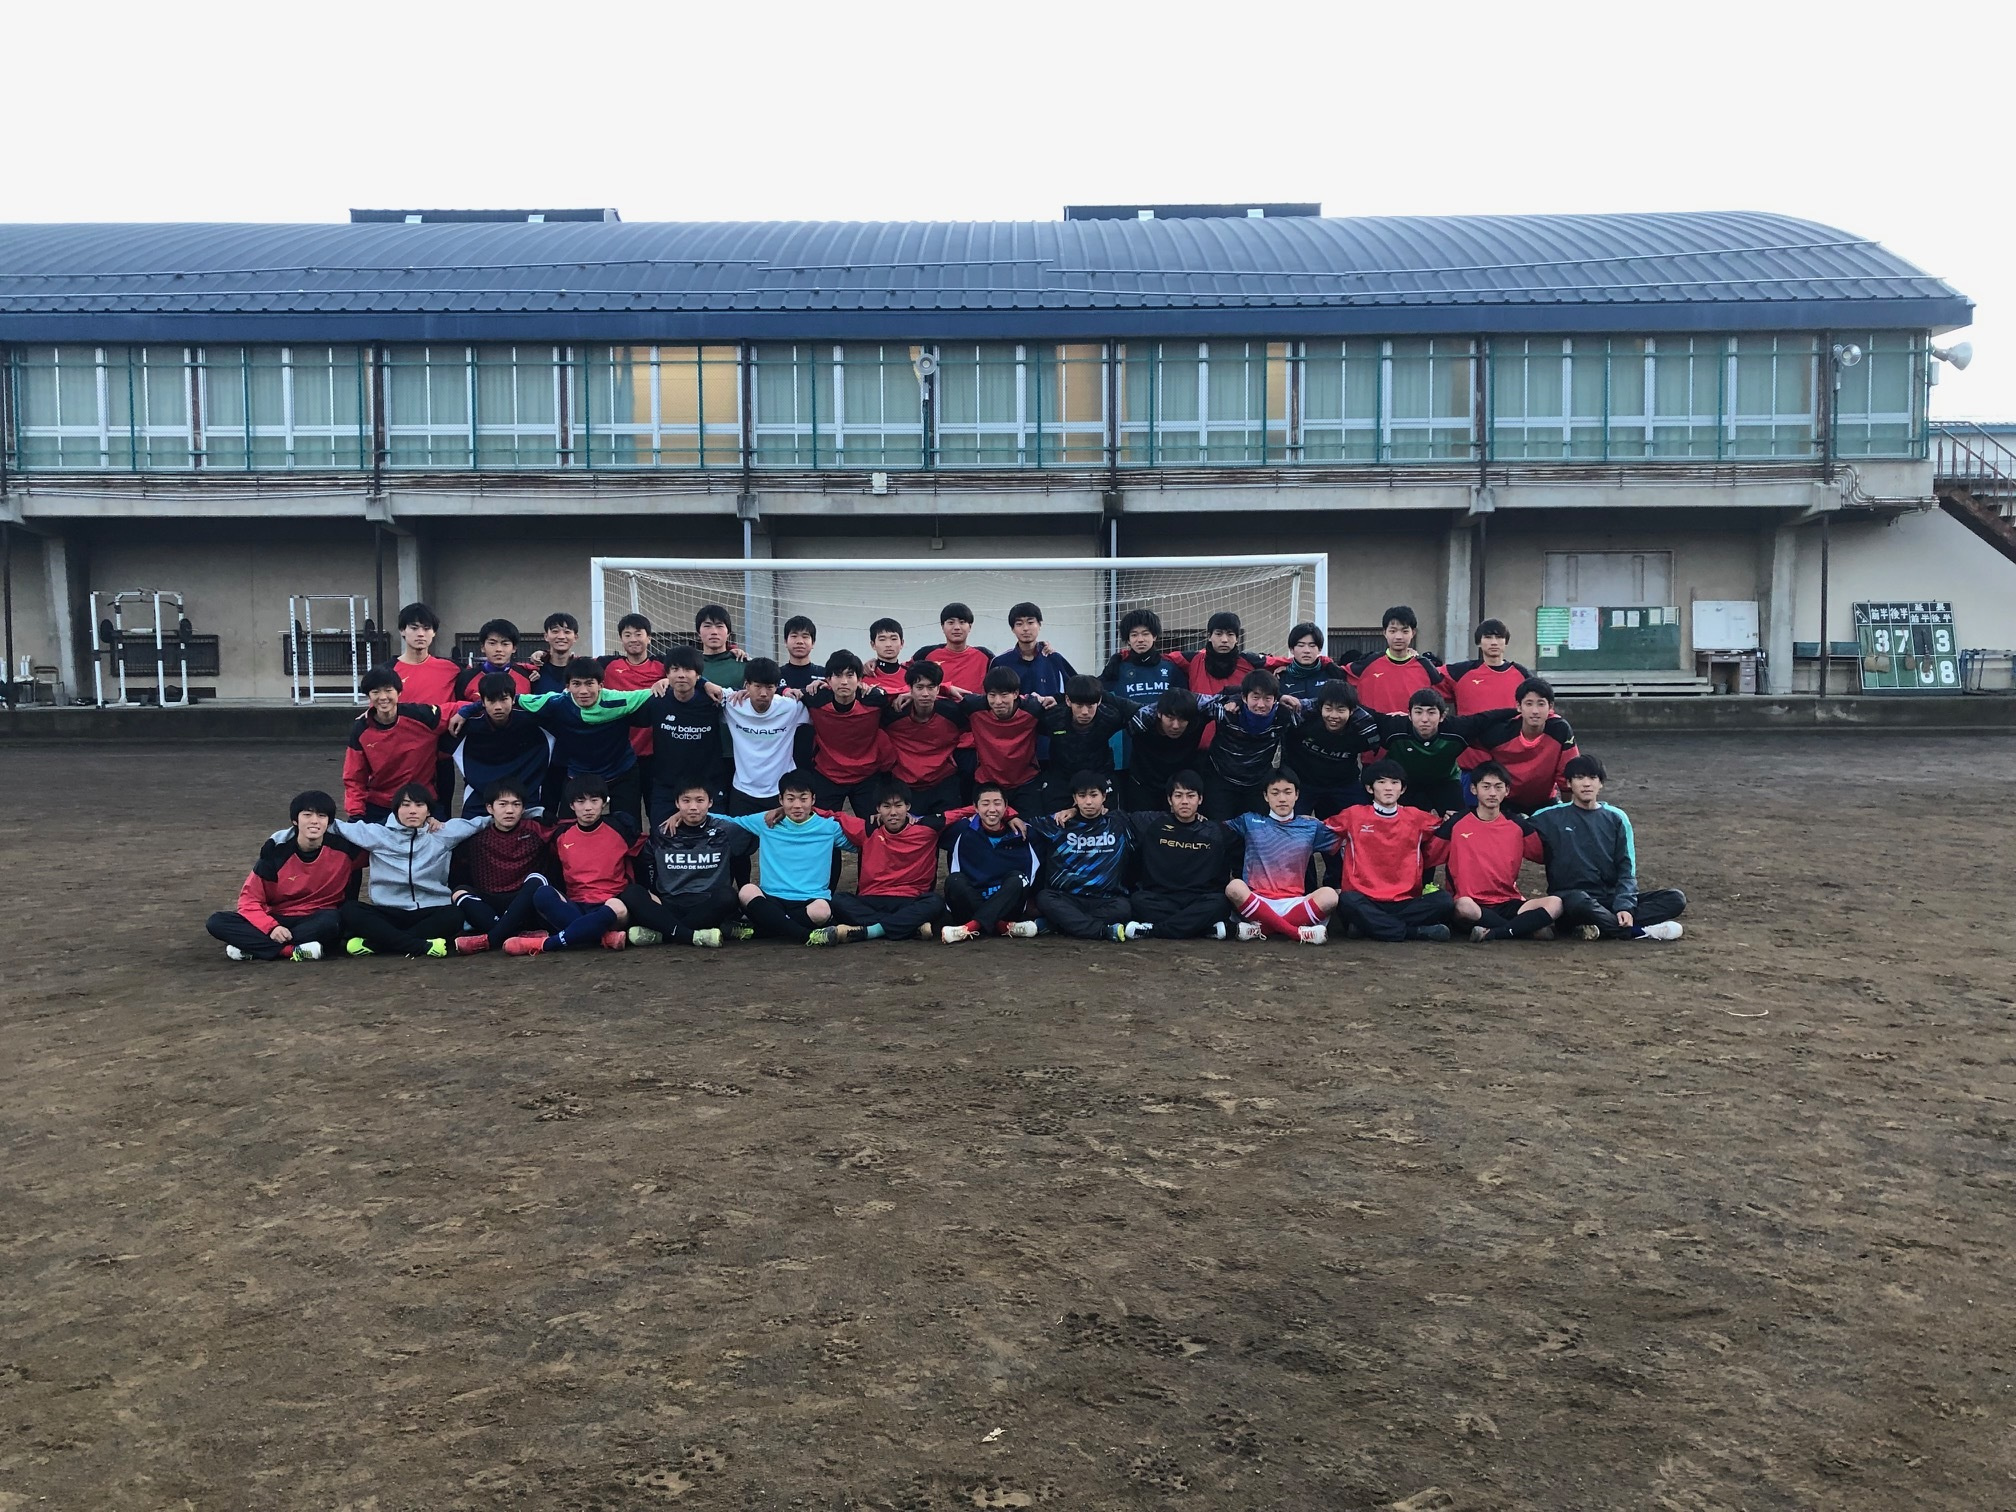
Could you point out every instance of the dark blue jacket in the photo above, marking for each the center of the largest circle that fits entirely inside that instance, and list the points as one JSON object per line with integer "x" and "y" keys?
{"x": 1085, "y": 857}
{"x": 518, "y": 751}
{"x": 984, "y": 860}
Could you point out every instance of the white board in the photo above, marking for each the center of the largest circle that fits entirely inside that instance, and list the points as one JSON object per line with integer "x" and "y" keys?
{"x": 1725, "y": 624}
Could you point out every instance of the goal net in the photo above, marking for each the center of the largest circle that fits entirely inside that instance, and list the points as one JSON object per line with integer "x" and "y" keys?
{"x": 1082, "y": 598}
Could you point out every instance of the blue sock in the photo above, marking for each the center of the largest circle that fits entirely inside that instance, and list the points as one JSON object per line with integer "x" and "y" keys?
{"x": 874, "y": 932}
{"x": 586, "y": 930}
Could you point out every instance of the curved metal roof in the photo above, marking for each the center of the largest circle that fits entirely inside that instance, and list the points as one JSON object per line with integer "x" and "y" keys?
{"x": 999, "y": 280}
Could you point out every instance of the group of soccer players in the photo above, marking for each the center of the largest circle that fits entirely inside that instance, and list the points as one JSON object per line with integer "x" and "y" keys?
{"x": 560, "y": 800}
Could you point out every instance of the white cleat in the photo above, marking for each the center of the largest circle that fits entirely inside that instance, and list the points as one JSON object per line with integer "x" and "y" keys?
{"x": 1022, "y": 929}
{"x": 1251, "y": 931}
{"x": 953, "y": 934}
{"x": 1670, "y": 930}
{"x": 1312, "y": 934}
{"x": 308, "y": 950}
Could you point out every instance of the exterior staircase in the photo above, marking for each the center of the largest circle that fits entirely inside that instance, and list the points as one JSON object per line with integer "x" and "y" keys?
{"x": 1974, "y": 476}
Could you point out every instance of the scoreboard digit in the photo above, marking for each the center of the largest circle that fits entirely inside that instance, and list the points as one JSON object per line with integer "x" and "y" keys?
{"x": 1908, "y": 648}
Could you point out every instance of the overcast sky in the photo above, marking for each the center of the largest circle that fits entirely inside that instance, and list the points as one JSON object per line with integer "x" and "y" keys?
{"x": 223, "y": 110}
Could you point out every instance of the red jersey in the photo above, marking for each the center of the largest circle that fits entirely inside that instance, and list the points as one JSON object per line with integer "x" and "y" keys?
{"x": 428, "y": 682}
{"x": 1382, "y": 852}
{"x": 1384, "y": 685}
{"x": 1004, "y": 750}
{"x": 921, "y": 749}
{"x": 595, "y": 863}
{"x": 384, "y": 758}
{"x": 501, "y": 861}
{"x": 902, "y": 865}
{"x": 965, "y": 670}
{"x": 1480, "y": 687}
{"x": 522, "y": 674}
{"x": 619, "y": 675}
{"x": 1536, "y": 763}
{"x": 890, "y": 677}
{"x": 1204, "y": 682}
{"x": 846, "y": 738}
{"x": 1483, "y": 857}
{"x": 284, "y": 882}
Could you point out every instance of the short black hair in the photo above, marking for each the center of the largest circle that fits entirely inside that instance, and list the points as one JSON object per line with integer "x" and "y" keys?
{"x": 923, "y": 672}
{"x": 799, "y": 622}
{"x": 1585, "y": 765}
{"x": 1485, "y": 769}
{"x": 314, "y": 801}
{"x": 1177, "y": 703}
{"x": 1282, "y": 774}
{"x": 843, "y": 660}
{"x": 1088, "y": 781}
{"x": 1492, "y": 627}
{"x": 1538, "y": 685}
{"x": 713, "y": 614}
{"x": 692, "y": 785}
{"x": 797, "y": 782}
{"x": 501, "y": 627}
{"x": 761, "y": 669}
{"x": 633, "y": 622}
{"x": 956, "y": 611}
{"x": 1261, "y": 681}
{"x": 503, "y": 787}
{"x": 1399, "y": 613}
{"x": 980, "y": 790}
{"x": 379, "y": 677}
{"x": 560, "y": 619}
{"x": 1337, "y": 691}
{"x": 686, "y": 657}
{"x": 496, "y": 685}
{"x": 885, "y": 626}
{"x": 1186, "y": 779}
{"x": 1305, "y": 631}
{"x": 588, "y": 785}
{"x": 584, "y": 669}
{"x": 419, "y": 614}
{"x": 1224, "y": 619}
{"x": 1001, "y": 680}
{"x": 1140, "y": 619}
{"x": 1427, "y": 698}
{"x": 1024, "y": 610}
{"x": 414, "y": 792}
{"x": 895, "y": 787}
{"x": 1380, "y": 771}
{"x": 1083, "y": 688}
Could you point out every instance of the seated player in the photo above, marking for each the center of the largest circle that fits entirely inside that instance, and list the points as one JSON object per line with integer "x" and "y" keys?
{"x": 1082, "y": 888}
{"x": 799, "y": 671}
{"x": 1533, "y": 744}
{"x": 1182, "y": 860}
{"x": 1483, "y": 850}
{"x": 686, "y": 737}
{"x": 721, "y": 659}
{"x": 922, "y": 735}
{"x": 408, "y": 908}
{"x": 1252, "y": 727}
{"x": 886, "y": 667}
{"x": 1041, "y": 671}
{"x": 1271, "y": 893}
{"x": 1078, "y": 732}
{"x": 562, "y": 630}
{"x": 1306, "y": 668}
{"x": 898, "y": 896}
{"x": 848, "y": 753}
{"x": 1165, "y": 740}
{"x": 1219, "y": 664}
{"x": 636, "y": 669}
{"x": 795, "y": 851}
{"x": 498, "y": 655}
{"x": 693, "y": 857}
{"x": 1429, "y": 747}
{"x": 1385, "y": 680}
{"x": 1003, "y": 727}
{"x": 1381, "y": 896}
{"x": 495, "y": 876}
{"x": 290, "y": 905}
{"x": 591, "y": 731}
{"x": 1592, "y": 865}
{"x": 762, "y": 731}
{"x": 1482, "y": 685}
{"x": 393, "y": 744}
{"x": 595, "y": 851}
{"x": 1331, "y": 735}
{"x": 990, "y": 868}
{"x": 500, "y": 743}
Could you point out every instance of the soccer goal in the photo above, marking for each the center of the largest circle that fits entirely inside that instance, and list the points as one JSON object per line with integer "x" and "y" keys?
{"x": 1082, "y": 598}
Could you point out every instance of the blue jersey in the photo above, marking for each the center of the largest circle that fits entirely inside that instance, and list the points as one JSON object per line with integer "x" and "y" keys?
{"x": 1142, "y": 681}
{"x": 594, "y": 741}
{"x": 1084, "y": 857}
{"x": 797, "y": 858}
{"x": 986, "y": 859}
{"x": 1278, "y": 851}
{"x": 1042, "y": 678}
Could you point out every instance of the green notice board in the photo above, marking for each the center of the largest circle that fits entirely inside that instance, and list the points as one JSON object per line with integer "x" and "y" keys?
{"x": 1633, "y": 638}
{"x": 1908, "y": 648}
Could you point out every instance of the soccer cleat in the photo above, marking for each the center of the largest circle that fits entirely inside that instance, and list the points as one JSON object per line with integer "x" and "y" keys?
{"x": 924, "y": 932}
{"x": 741, "y": 931}
{"x": 1588, "y": 932}
{"x": 356, "y": 947}
{"x": 847, "y": 934}
{"x": 525, "y": 945}
{"x": 1312, "y": 934}
{"x": 1670, "y": 930}
{"x": 1480, "y": 933}
{"x": 470, "y": 944}
{"x": 1139, "y": 931}
{"x": 1218, "y": 930}
{"x": 1248, "y": 930}
{"x": 1545, "y": 932}
{"x": 1115, "y": 932}
{"x": 639, "y": 935}
{"x": 827, "y": 936}
{"x": 953, "y": 934}
{"x": 307, "y": 950}
{"x": 437, "y": 949}
{"x": 1433, "y": 932}
{"x": 615, "y": 939}
{"x": 707, "y": 939}
{"x": 233, "y": 953}
{"x": 1025, "y": 929}
{"x": 1432, "y": 887}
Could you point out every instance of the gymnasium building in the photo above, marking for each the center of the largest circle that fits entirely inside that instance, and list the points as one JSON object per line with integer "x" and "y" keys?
{"x": 1635, "y": 415}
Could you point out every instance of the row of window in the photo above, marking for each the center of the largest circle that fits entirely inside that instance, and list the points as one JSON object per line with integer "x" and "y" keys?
{"x": 1142, "y": 404}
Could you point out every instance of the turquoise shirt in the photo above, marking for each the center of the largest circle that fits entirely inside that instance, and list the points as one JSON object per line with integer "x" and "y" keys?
{"x": 797, "y": 859}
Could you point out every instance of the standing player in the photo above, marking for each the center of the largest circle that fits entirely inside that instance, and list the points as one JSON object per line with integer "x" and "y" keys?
{"x": 1166, "y": 738}
{"x": 1142, "y": 673}
{"x": 886, "y": 668}
{"x": 1332, "y": 735}
{"x": 1082, "y": 889}
{"x": 990, "y": 868}
{"x": 1003, "y": 727}
{"x": 498, "y": 655}
{"x": 1305, "y": 671}
{"x": 795, "y": 849}
{"x": 1592, "y": 865}
{"x": 495, "y": 876}
{"x": 425, "y": 678}
{"x": 721, "y": 659}
{"x": 1219, "y": 664}
{"x": 1385, "y": 680}
{"x": 1079, "y": 732}
{"x": 591, "y": 731}
{"x": 1482, "y": 685}
{"x": 1041, "y": 672}
{"x": 1534, "y": 746}
{"x": 693, "y": 858}
{"x": 392, "y": 744}
{"x": 686, "y": 737}
{"x": 561, "y": 631}
{"x": 1483, "y": 850}
{"x": 848, "y": 752}
{"x": 1271, "y": 895}
{"x": 1252, "y": 725}
{"x": 1383, "y": 867}
{"x": 1428, "y": 747}
{"x": 923, "y": 734}
{"x": 799, "y": 671}
{"x": 289, "y": 906}
{"x": 636, "y": 669}
{"x": 897, "y": 897}
{"x": 763, "y": 729}
{"x": 1183, "y": 859}
{"x": 965, "y": 666}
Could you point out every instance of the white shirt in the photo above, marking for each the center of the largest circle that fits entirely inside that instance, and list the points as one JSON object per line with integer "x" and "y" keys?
{"x": 763, "y": 742}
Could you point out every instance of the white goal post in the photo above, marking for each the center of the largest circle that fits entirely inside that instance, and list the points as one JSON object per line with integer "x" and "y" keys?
{"x": 1082, "y": 598}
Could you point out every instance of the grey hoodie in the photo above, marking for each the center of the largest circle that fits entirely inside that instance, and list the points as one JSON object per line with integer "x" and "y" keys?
{"x": 409, "y": 868}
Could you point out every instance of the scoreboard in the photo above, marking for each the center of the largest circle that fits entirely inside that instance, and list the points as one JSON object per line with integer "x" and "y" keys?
{"x": 1907, "y": 648}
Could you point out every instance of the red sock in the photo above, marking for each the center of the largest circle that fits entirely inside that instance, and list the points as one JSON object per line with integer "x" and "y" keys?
{"x": 1269, "y": 921}
{"x": 1303, "y": 913}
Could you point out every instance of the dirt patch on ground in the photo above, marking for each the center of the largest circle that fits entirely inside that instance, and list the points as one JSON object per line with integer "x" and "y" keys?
{"x": 1716, "y": 1225}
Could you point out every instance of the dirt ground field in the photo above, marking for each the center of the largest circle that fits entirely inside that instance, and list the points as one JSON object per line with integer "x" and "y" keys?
{"x": 1718, "y": 1225}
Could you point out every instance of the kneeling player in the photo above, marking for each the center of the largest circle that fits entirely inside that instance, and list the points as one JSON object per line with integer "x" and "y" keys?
{"x": 1592, "y": 865}
{"x": 595, "y": 851}
{"x": 1483, "y": 850}
{"x": 1269, "y": 896}
{"x": 795, "y": 847}
{"x": 693, "y": 857}
{"x": 1383, "y": 867}
{"x": 898, "y": 873}
{"x": 289, "y": 906}
{"x": 1183, "y": 861}
{"x": 497, "y": 873}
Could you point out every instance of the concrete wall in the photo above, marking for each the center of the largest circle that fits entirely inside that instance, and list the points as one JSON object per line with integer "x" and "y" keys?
{"x": 1917, "y": 556}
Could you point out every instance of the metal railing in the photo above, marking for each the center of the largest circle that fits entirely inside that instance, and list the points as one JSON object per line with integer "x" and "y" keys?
{"x": 1969, "y": 456}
